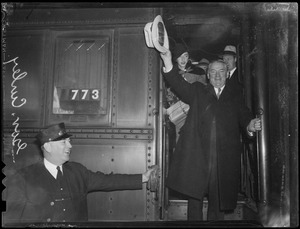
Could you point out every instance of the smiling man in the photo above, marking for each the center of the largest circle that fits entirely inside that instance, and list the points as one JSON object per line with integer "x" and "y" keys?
{"x": 54, "y": 189}
{"x": 207, "y": 156}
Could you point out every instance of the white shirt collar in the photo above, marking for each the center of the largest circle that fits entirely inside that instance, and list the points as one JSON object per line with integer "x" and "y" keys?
{"x": 51, "y": 168}
{"x": 231, "y": 72}
{"x": 216, "y": 89}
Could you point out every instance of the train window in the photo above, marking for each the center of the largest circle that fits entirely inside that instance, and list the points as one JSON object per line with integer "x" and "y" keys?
{"x": 81, "y": 68}
{"x": 81, "y": 77}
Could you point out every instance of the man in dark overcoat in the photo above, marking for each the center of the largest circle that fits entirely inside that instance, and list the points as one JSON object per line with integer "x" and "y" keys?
{"x": 54, "y": 189}
{"x": 229, "y": 55}
{"x": 206, "y": 160}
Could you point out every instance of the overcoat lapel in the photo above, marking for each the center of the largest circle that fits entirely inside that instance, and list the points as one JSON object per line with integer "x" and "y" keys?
{"x": 211, "y": 90}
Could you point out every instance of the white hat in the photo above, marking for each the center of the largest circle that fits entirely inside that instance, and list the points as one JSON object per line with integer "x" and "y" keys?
{"x": 229, "y": 50}
{"x": 156, "y": 35}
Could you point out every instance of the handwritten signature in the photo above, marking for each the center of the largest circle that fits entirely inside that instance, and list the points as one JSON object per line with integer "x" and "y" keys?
{"x": 15, "y": 134}
{"x": 16, "y": 76}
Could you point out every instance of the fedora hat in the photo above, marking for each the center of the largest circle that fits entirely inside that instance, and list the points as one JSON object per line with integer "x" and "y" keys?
{"x": 53, "y": 133}
{"x": 156, "y": 34}
{"x": 203, "y": 61}
{"x": 229, "y": 50}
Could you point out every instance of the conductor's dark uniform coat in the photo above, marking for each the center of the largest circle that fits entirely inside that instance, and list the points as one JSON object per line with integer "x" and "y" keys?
{"x": 31, "y": 192}
{"x": 189, "y": 168}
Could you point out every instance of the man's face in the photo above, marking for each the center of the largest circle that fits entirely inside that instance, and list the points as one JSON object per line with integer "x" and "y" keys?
{"x": 230, "y": 60}
{"x": 183, "y": 59}
{"x": 59, "y": 151}
{"x": 217, "y": 73}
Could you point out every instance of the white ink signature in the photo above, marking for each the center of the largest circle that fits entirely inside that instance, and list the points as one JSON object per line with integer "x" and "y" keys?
{"x": 16, "y": 78}
{"x": 15, "y": 134}
{"x": 16, "y": 141}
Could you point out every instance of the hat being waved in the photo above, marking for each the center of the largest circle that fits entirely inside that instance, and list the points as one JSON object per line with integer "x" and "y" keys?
{"x": 156, "y": 34}
{"x": 53, "y": 133}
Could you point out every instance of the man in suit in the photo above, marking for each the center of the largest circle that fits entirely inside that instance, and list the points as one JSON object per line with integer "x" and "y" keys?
{"x": 229, "y": 56}
{"x": 206, "y": 160}
{"x": 55, "y": 190}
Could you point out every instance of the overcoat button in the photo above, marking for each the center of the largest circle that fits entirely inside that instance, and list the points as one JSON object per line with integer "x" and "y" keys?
{"x": 48, "y": 220}
{"x": 52, "y": 203}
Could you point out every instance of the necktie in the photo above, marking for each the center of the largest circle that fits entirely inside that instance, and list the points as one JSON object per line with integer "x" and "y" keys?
{"x": 219, "y": 93}
{"x": 59, "y": 175}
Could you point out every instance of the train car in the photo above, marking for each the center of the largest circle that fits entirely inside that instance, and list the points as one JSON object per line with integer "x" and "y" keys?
{"x": 88, "y": 65}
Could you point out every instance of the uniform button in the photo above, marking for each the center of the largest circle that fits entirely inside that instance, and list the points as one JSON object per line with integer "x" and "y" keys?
{"x": 64, "y": 209}
{"x": 64, "y": 220}
{"x": 61, "y": 189}
{"x": 51, "y": 203}
{"x": 48, "y": 220}
{"x": 62, "y": 198}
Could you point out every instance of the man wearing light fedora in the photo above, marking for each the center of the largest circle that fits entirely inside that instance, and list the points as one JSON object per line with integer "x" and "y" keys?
{"x": 54, "y": 189}
{"x": 229, "y": 56}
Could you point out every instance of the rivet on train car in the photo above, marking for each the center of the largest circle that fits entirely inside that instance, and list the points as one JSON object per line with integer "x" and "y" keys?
{"x": 150, "y": 97}
{"x": 112, "y": 159}
{"x": 125, "y": 136}
{"x": 136, "y": 136}
{"x": 112, "y": 136}
{"x": 112, "y": 147}
{"x": 149, "y": 154}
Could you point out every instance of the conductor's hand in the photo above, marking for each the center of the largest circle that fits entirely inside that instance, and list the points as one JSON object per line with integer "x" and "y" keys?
{"x": 254, "y": 125}
{"x": 147, "y": 174}
{"x": 166, "y": 57}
